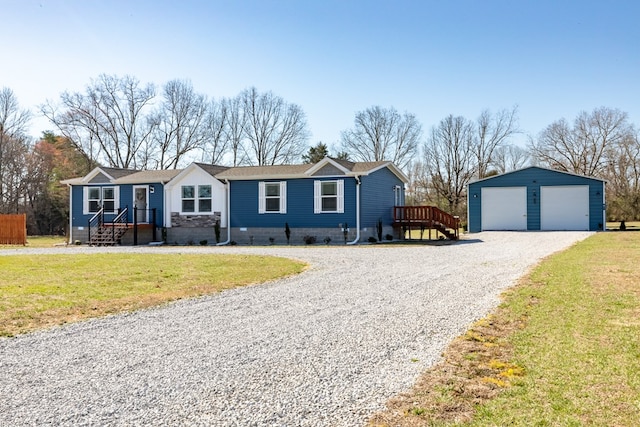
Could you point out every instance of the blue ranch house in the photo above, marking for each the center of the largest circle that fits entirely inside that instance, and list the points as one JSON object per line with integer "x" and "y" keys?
{"x": 332, "y": 200}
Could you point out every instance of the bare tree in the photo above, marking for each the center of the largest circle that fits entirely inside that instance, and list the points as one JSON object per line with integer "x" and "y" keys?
{"x": 623, "y": 179}
{"x": 235, "y": 130}
{"x": 109, "y": 122}
{"x": 275, "y": 131}
{"x": 583, "y": 147}
{"x": 507, "y": 158}
{"x": 492, "y": 132}
{"x": 383, "y": 134}
{"x": 181, "y": 124}
{"x": 216, "y": 128}
{"x": 13, "y": 149}
{"x": 449, "y": 158}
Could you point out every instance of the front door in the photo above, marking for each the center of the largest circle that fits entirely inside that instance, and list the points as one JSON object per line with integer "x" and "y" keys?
{"x": 140, "y": 202}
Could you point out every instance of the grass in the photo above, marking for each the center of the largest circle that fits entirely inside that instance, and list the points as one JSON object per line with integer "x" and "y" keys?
{"x": 40, "y": 291}
{"x": 563, "y": 349}
{"x": 39, "y": 242}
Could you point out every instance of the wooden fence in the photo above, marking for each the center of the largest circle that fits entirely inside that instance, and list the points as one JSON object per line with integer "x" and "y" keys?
{"x": 13, "y": 229}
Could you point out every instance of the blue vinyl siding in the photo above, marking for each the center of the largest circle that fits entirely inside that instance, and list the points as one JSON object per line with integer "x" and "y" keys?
{"x": 244, "y": 205}
{"x": 377, "y": 197}
{"x": 533, "y": 178}
{"x": 156, "y": 200}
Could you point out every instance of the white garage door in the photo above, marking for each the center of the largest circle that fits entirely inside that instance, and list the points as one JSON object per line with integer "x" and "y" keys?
{"x": 504, "y": 208}
{"x": 564, "y": 207}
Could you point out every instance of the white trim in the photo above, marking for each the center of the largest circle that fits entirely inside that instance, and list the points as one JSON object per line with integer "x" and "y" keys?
{"x": 322, "y": 163}
{"x": 262, "y": 203}
{"x": 283, "y": 197}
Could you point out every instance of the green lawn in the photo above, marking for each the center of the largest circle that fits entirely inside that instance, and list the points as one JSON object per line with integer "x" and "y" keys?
{"x": 562, "y": 350}
{"x": 38, "y": 291}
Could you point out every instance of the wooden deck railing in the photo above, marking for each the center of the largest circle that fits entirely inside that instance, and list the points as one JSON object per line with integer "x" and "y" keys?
{"x": 427, "y": 216}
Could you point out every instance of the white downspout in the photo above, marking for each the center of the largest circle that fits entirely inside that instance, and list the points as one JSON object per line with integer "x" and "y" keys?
{"x": 227, "y": 187}
{"x": 357, "y": 239}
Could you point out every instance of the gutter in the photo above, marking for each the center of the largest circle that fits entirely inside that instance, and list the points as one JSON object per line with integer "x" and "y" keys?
{"x": 357, "y": 239}
{"x": 227, "y": 186}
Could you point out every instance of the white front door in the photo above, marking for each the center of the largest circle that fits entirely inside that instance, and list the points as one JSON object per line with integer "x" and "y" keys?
{"x": 504, "y": 208}
{"x": 564, "y": 207}
{"x": 140, "y": 196}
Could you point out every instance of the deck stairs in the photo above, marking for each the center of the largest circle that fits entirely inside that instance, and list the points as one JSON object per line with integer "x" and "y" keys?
{"x": 426, "y": 218}
{"x": 103, "y": 233}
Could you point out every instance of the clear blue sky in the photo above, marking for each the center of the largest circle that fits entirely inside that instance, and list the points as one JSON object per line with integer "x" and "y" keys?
{"x": 336, "y": 57}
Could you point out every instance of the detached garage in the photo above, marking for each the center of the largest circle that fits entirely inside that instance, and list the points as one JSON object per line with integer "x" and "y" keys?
{"x": 536, "y": 198}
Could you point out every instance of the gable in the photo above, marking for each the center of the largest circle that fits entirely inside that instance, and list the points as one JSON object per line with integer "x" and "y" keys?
{"x": 100, "y": 178}
{"x": 328, "y": 170}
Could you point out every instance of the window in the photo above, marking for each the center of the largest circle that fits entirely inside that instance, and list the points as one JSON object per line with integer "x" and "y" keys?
{"x": 189, "y": 198}
{"x": 272, "y": 197}
{"x": 100, "y": 197}
{"x": 204, "y": 198}
{"x": 328, "y": 196}
{"x": 93, "y": 199}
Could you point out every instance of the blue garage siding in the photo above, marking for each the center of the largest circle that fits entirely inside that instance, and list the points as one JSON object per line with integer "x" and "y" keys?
{"x": 377, "y": 198}
{"x": 244, "y": 206}
{"x": 533, "y": 178}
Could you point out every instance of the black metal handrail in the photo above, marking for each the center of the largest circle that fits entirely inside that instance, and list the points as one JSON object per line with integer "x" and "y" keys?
{"x": 96, "y": 222}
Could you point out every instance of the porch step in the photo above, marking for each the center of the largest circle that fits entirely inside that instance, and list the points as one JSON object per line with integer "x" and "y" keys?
{"x": 107, "y": 235}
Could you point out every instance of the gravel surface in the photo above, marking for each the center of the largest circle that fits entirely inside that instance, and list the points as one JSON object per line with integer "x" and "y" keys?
{"x": 325, "y": 348}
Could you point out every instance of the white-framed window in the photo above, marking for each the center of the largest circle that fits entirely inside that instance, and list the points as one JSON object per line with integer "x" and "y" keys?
{"x": 196, "y": 198}
{"x": 97, "y": 197}
{"x": 272, "y": 197}
{"x": 188, "y": 198}
{"x": 328, "y": 196}
{"x": 204, "y": 198}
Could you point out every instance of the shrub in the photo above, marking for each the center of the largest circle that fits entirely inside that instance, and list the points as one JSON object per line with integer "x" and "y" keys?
{"x": 309, "y": 240}
{"x": 327, "y": 240}
{"x": 372, "y": 239}
{"x": 203, "y": 242}
{"x": 287, "y": 231}
{"x": 216, "y": 229}
{"x": 389, "y": 237}
{"x": 271, "y": 240}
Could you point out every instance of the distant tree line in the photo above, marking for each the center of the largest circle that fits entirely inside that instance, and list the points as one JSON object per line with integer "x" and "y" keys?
{"x": 120, "y": 122}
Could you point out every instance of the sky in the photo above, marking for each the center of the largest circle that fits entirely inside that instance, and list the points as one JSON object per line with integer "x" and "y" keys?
{"x": 551, "y": 59}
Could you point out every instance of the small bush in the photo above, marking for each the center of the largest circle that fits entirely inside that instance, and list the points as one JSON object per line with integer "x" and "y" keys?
{"x": 309, "y": 240}
{"x": 372, "y": 239}
{"x": 271, "y": 240}
{"x": 389, "y": 237}
{"x": 233, "y": 243}
{"x": 203, "y": 242}
{"x": 327, "y": 240}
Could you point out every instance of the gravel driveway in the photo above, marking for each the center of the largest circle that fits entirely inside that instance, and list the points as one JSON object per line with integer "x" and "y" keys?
{"x": 327, "y": 347}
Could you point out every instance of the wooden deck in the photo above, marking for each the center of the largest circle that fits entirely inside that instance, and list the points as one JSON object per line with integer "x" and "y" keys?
{"x": 426, "y": 218}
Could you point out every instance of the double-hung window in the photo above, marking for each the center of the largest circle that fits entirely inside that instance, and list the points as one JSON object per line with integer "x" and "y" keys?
{"x": 196, "y": 197}
{"x": 188, "y": 198}
{"x": 272, "y": 197}
{"x": 328, "y": 196}
{"x": 204, "y": 198}
{"x": 100, "y": 197}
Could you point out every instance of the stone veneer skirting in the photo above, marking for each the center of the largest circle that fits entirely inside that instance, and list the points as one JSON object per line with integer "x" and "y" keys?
{"x": 194, "y": 221}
